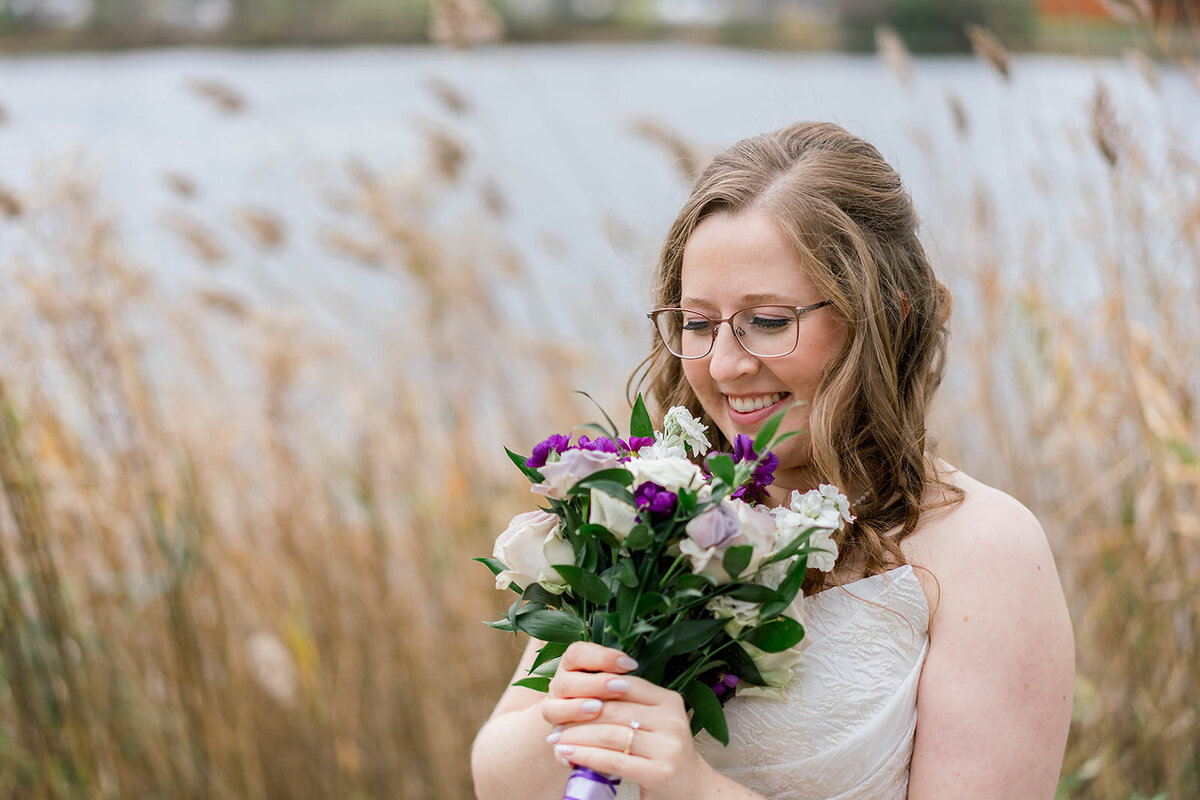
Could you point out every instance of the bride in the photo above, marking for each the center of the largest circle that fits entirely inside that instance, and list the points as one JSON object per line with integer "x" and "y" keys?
{"x": 939, "y": 660}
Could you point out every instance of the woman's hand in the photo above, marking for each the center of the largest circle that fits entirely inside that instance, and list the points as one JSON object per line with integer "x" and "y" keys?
{"x": 592, "y": 703}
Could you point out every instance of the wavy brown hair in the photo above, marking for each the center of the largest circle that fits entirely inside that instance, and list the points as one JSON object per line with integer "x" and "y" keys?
{"x": 846, "y": 212}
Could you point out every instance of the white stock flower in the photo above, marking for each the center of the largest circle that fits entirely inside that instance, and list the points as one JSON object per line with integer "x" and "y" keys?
{"x": 839, "y": 500}
{"x": 662, "y": 448}
{"x": 617, "y": 516}
{"x": 740, "y": 613}
{"x": 680, "y": 426}
{"x": 818, "y": 508}
{"x": 672, "y": 474}
{"x": 529, "y": 548}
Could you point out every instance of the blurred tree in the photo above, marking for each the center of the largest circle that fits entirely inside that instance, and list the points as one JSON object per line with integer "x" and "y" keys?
{"x": 935, "y": 25}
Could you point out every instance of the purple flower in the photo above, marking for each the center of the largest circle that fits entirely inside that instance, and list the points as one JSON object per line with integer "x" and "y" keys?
{"x": 635, "y": 443}
{"x": 714, "y": 527}
{"x": 541, "y": 451}
{"x": 601, "y": 444}
{"x": 652, "y": 498}
{"x": 763, "y": 475}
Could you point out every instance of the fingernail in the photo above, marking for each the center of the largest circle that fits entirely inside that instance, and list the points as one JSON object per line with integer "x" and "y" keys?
{"x": 618, "y": 685}
{"x": 565, "y": 763}
{"x": 563, "y": 749}
{"x": 625, "y": 662}
{"x": 588, "y": 706}
{"x": 555, "y": 734}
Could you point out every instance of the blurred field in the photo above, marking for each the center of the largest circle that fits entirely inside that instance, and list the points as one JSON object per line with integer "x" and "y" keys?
{"x": 247, "y": 575}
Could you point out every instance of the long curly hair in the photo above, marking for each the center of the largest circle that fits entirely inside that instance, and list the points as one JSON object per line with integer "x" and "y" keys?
{"x": 846, "y": 212}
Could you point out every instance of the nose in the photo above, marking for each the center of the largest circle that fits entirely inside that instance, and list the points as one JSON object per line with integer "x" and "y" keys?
{"x": 728, "y": 359}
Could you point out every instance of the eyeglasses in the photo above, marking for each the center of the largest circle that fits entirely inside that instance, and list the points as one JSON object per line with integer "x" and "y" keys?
{"x": 762, "y": 331}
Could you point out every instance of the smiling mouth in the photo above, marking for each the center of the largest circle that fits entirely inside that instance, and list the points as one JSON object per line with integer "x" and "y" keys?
{"x": 746, "y": 405}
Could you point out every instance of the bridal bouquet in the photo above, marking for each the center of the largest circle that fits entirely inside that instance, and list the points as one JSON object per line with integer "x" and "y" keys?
{"x": 676, "y": 563}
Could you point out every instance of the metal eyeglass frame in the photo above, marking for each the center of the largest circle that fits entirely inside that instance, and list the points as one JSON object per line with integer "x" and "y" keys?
{"x": 716, "y": 325}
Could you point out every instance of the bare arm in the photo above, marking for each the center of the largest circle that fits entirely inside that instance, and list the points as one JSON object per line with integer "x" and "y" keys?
{"x": 994, "y": 702}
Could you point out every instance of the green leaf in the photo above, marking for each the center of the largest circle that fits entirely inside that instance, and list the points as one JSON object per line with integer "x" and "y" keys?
{"x": 585, "y": 584}
{"x": 502, "y": 625}
{"x": 536, "y": 593}
{"x": 531, "y": 473}
{"x": 707, "y": 713}
{"x": 721, "y": 466}
{"x": 640, "y": 537}
{"x": 547, "y": 668}
{"x": 599, "y": 532}
{"x": 650, "y": 603}
{"x": 611, "y": 488}
{"x": 741, "y": 664}
{"x": 736, "y": 559}
{"x": 495, "y": 565}
{"x": 612, "y": 426}
{"x": 777, "y": 635}
{"x": 754, "y": 593}
{"x": 614, "y": 475}
{"x": 538, "y": 684}
{"x": 685, "y": 636}
{"x": 639, "y": 420}
{"x": 626, "y": 575}
{"x": 549, "y": 652}
{"x": 793, "y": 547}
{"x": 552, "y": 626}
{"x": 766, "y": 433}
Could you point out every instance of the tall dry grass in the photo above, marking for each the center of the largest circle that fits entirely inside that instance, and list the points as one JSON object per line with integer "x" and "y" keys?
{"x": 233, "y": 558}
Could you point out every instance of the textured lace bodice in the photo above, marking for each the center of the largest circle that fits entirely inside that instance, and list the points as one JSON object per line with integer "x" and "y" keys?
{"x": 844, "y": 728}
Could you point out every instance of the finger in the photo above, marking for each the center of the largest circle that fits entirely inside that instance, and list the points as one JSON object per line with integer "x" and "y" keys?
{"x": 612, "y": 762}
{"x": 565, "y": 711}
{"x": 602, "y": 685}
{"x": 633, "y": 735}
{"x": 590, "y": 657}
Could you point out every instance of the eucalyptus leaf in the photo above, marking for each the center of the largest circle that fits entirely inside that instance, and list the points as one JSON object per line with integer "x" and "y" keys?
{"x": 585, "y": 584}
{"x": 552, "y": 626}
{"x": 777, "y": 635}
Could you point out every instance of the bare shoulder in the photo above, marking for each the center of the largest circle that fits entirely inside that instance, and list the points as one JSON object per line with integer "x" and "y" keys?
{"x": 994, "y": 698}
{"x": 986, "y": 543}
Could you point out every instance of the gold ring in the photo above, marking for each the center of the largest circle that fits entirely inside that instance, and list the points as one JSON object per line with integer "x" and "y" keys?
{"x": 633, "y": 729}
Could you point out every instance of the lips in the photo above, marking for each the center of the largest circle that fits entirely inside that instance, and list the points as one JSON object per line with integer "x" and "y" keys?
{"x": 751, "y": 409}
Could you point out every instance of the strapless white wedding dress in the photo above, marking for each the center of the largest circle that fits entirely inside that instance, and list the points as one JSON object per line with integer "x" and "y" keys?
{"x": 844, "y": 728}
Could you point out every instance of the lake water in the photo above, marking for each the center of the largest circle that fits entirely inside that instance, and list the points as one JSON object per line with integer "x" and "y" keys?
{"x": 588, "y": 198}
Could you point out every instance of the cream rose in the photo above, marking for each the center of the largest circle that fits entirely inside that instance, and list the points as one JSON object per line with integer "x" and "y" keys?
{"x": 570, "y": 469}
{"x": 613, "y": 514}
{"x": 529, "y": 548}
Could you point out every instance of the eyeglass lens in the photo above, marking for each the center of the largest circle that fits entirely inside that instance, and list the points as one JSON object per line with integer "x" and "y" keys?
{"x": 763, "y": 330}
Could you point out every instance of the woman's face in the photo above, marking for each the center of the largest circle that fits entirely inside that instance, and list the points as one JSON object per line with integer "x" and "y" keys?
{"x": 733, "y": 261}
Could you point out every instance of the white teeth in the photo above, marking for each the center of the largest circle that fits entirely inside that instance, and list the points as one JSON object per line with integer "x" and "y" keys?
{"x": 745, "y": 405}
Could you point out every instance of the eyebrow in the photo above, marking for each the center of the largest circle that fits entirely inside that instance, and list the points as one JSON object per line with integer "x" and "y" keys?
{"x": 755, "y": 298}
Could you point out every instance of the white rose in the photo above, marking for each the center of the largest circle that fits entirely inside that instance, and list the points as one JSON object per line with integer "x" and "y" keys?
{"x": 740, "y": 613}
{"x": 775, "y": 669}
{"x": 529, "y": 548}
{"x": 572, "y": 467}
{"x": 682, "y": 427}
{"x": 613, "y": 514}
{"x": 672, "y": 474}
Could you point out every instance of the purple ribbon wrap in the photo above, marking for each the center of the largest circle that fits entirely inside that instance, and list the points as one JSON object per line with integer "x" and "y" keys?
{"x": 587, "y": 784}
